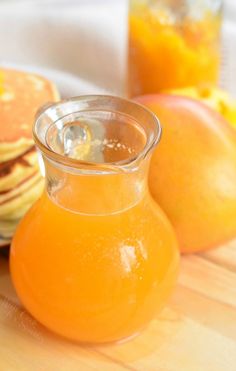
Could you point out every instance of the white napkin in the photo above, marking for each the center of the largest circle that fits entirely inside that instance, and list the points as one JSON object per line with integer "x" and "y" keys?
{"x": 86, "y": 38}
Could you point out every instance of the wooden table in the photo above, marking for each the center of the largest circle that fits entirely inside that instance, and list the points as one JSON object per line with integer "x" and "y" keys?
{"x": 195, "y": 332}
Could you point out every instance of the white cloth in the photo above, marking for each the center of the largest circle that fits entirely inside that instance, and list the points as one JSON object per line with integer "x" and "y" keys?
{"x": 84, "y": 39}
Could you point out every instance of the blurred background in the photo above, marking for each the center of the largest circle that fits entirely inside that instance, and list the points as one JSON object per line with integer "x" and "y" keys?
{"x": 82, "y": 37}
{"x": 85, "y": 39}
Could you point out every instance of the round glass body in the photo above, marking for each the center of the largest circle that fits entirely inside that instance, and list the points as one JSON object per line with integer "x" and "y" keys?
{"x": 95, "y": 259}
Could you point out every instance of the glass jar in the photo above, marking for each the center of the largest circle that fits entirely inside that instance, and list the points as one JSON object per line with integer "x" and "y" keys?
{"x": 95, "y": 258}
{"x": 173, "y": 44}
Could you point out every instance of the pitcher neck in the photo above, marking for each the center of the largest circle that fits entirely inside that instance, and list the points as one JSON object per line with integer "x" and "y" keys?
{"x": 95, "y": 194}
{"x": 96, "y": 151}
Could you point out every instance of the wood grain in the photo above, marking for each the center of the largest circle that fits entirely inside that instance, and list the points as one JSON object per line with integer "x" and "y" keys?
{"x": 195, "y": 332}
{"x": 224, "y": 256}
{"x": 209, "y": 279}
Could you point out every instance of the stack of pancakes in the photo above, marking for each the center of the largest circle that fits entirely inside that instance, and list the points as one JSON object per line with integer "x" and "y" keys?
{"x": 21, "y": 95}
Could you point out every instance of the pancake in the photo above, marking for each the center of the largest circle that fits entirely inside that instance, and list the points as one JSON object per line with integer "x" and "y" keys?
{"x": 4, "y": 242}
{"x": 7, "y": 228}
{"x": 17, "y": 193}
{"x": 21, "y": 95}
{"x": 13, "y": 172}
{"x": 8, "y": 152}
{"x": 14, "y": 208}
{"x": 15, "y": 200}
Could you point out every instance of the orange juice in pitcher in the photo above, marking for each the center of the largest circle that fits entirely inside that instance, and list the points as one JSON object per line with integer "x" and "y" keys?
{"x": 95, "y": 259}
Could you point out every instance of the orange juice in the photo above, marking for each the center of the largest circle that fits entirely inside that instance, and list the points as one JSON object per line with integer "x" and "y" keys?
{"x": 95, "y": 259}
{"x": 172, "y": 47}
{"x": 94, "y": 278}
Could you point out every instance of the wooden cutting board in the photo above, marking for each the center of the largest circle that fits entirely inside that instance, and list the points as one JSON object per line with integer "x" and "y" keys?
{"x": 195, "y": 332}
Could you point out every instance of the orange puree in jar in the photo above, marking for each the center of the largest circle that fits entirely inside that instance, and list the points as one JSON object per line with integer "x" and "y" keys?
{"x": 165, "y": 53}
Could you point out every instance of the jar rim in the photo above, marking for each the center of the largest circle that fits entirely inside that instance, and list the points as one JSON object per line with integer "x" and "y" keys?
{"x": 50, "y": 113}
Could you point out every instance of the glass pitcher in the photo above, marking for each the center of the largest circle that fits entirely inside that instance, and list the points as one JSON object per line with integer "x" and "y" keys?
{"x": 173, "y": 44}
{"x": 95, "y": 258}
